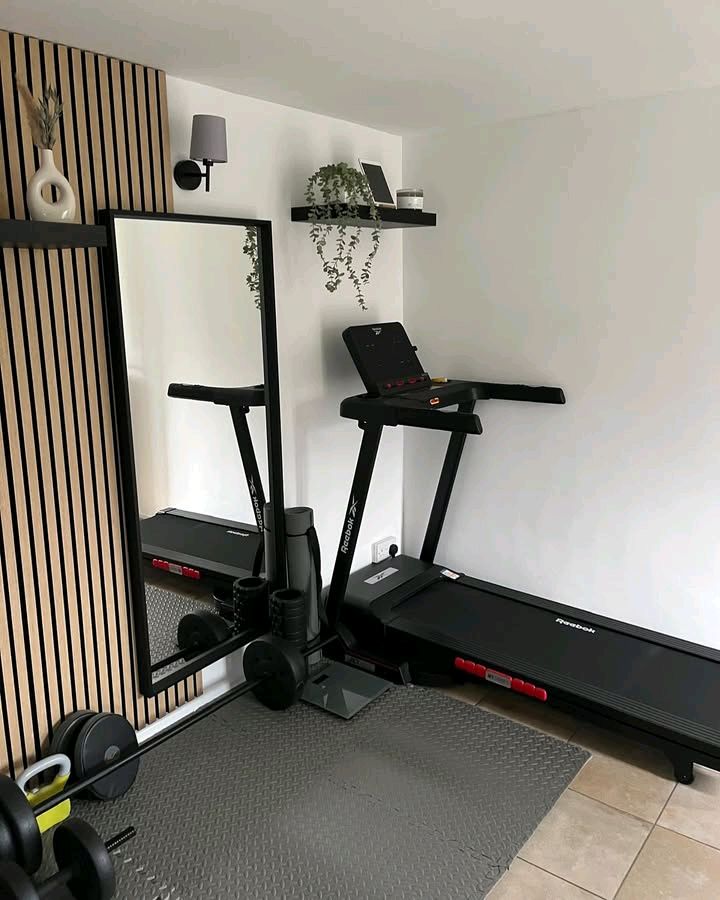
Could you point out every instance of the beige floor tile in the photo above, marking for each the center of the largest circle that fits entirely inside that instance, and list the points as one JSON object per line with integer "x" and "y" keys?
{"x": 587, "y": 843}
{"x": 694, "y": 809}
{"x": 673, "y": 867}
{"x": 633, "y": 778}
{"x": 468, "y": 693}
{"x": 526, "y": 882}
{"x": 529, "y": 712}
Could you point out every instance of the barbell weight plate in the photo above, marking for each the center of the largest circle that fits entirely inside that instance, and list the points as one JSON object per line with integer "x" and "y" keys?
{"x": 103, "y": 740}
{"x": 281, "y": 667}
{"x": 19, "y": 819}
{"x": 65, "y": 735}
{"x": 201, "y": 630}
{"x": 16, "y": 884}
{"x": 7, "y": 846}
{"x": 78, "y": 847}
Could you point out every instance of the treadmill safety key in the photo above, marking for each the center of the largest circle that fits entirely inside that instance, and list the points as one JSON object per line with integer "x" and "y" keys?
{"x": 501, "y": 678}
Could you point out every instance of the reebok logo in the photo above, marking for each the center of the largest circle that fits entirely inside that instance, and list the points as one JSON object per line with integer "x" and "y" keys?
{"x": 575, "y": 625}
{"x": 237, "y": 533}
{"x": 349, "y": 525}
{"x": 256, "y": 503}
{"x": 377, "y": 331}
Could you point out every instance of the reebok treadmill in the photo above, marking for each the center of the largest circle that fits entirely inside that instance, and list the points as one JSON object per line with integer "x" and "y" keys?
{"x": 216, "y": 551}
{"x": 420, "y": 618}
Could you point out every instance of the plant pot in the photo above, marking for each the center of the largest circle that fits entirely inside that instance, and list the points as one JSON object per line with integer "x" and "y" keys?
{"x": 41, "y": 210}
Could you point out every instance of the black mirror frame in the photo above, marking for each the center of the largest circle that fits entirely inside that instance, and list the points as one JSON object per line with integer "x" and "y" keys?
{"x": 124, "y": 452}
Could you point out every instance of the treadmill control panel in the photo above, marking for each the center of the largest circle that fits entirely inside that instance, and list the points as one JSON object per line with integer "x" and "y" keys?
{"x": 385, "y": 358}
{"x": 501, "y": 678}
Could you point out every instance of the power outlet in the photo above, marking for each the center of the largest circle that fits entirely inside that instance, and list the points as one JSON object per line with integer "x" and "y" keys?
{"x": 381, "y": 549}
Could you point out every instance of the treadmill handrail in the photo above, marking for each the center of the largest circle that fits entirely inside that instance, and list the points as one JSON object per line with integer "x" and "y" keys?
{"x": 252, "y": 395}
{"x": 405, "y": 409}
{"x": 466, "y": 423}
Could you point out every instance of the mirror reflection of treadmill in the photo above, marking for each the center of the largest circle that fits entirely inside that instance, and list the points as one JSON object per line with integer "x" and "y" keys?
{"x": 207, "y": 548}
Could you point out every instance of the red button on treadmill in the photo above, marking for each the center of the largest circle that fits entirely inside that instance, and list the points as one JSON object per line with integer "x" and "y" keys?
{"x": 517, "y": 684}
{"x": 480, "y": 670}
{"x": 528, "y": 689}
{"x": 540, "y": 694}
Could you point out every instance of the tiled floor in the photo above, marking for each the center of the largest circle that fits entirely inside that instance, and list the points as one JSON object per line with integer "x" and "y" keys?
{"x": 624, "y": 829}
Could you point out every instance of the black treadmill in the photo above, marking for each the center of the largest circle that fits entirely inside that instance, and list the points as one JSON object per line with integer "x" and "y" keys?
{"x": 192, "y": 545}
{"x": 422, "y": 618}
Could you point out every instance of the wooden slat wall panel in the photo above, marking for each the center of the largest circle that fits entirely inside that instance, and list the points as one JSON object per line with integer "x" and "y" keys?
{"x": 66, "y": 639}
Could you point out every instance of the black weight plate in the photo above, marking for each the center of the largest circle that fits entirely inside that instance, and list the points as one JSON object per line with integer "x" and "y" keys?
{"x": 288, "y": 615}
{"x": 289, "y": 606}
{"x": 282, "y": 630}
{"x": 15, "y": 884}
{"x": 102, "y": 741}
{"x": 19, "y": 818}
{"x": 201, "y": 631}
{"x": 281, "y": 667}
{"x": 65, "y": 735}
{"x": 78, "y": 847}
{"x": 7, "y": 847}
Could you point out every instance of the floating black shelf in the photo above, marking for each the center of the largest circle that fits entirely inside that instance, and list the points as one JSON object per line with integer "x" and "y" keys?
{"x": 50, "y": 235}
{"x": 390, "y": 218}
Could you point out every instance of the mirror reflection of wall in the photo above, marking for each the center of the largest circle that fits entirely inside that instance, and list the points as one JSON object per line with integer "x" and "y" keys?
{"x": 190, "y": 316}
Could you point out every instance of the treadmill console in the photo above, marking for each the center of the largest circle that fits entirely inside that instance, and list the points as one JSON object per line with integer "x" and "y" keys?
{"x": 385, "y": 358}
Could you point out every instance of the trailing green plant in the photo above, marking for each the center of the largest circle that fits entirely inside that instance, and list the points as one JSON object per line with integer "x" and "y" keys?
{"x": 43, "y": 115}
{"x": 250, "y": 249}
{"x": 334, "y": 194}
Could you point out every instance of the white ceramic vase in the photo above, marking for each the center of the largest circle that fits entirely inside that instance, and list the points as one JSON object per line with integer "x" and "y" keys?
{"x": 41, "y": 210}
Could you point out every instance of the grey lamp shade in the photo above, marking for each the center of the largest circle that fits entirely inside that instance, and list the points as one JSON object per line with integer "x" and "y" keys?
{"x": 209, "y": 139}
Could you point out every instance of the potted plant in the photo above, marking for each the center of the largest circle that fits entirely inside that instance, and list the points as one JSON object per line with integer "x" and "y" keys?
{"x": 250, "y": 249}
{"x": 43, "y": 116}
{"x": 334, "y": 194}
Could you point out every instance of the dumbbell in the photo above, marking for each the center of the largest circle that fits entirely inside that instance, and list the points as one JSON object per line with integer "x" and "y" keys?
{"x": 201, "y": 630}
{"x": 95, "y": 741}
{"x": 85, "y": 866}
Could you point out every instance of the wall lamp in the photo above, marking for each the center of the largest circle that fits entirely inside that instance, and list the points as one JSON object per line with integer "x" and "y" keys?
{"x": 207, "y": 143}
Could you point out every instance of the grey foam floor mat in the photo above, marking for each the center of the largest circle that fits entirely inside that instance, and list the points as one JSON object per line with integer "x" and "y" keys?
{"x": 419, "y": 796}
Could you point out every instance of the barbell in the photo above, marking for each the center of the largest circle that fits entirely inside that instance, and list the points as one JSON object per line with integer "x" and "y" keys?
{"x": 275, "y": 672}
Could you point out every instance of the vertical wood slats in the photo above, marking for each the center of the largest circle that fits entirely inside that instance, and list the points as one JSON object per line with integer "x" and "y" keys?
{"x": 66, "y": 621}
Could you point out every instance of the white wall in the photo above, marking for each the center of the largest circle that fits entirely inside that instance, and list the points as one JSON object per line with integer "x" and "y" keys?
{"x": 580, "y": 250}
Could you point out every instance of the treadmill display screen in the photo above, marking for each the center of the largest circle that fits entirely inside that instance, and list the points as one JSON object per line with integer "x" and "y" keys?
{"x": 385, "y": 358}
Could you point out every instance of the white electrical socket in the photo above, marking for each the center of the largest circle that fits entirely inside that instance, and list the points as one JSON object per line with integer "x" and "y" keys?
{"x": 381, "y": 549}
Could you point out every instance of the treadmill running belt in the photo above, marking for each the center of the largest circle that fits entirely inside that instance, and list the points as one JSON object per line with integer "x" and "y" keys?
{"x": 494, "y": 627}
{"x": 233, "y": 547}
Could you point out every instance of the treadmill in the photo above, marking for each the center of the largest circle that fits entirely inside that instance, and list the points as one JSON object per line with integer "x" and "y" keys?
{"x": 205, "y": 548}
{"x": 420, "y": 617}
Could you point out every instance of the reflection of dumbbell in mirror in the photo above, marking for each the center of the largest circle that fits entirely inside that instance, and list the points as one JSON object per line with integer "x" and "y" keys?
{"x": 201, "y": 630}
{"x": 250, "y": 604}
{"x": 85, "y": 866}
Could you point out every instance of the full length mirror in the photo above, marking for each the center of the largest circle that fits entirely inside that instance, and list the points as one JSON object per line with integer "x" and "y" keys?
{"x": 190, "y": 325}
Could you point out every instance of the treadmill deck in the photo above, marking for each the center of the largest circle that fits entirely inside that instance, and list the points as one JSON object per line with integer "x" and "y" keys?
{"x": 601, "y": 664}
{"x": 228, "y": 548}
